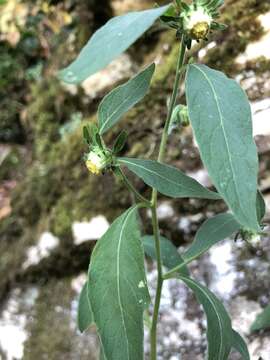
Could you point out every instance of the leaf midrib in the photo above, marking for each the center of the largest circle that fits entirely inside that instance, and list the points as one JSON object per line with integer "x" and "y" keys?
{"x": 224, "y": 135}
{"x": 169, "y": 180}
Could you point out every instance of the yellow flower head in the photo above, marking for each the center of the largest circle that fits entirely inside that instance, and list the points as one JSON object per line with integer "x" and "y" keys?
{"x": 197, "y": 23}
{"x": 96, "y": 162}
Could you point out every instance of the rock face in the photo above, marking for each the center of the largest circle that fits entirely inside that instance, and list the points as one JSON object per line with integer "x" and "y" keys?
{"x": 54, "y": 192}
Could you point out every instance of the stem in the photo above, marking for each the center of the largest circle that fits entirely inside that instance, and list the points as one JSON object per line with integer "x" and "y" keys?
{"x": 119, "y": 173}
{"x": 162, "y": 148}
{"x": 153, "y": 332}
{"x": 179, "y": 68}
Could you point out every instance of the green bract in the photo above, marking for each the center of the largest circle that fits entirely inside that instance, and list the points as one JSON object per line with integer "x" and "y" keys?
{"x": 116, "y": 295}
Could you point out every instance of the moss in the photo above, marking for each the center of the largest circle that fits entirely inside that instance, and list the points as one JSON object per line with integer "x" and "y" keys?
{"x": 241, "y": 17}
{"x": 47, "y": 113}
{"x": 46, "y": 317}
{"x": 51, "y": 327}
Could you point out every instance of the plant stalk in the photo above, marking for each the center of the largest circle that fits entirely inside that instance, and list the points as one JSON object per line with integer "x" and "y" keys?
{"x": 162, "y": 149}
{"x": 119, "y": 173}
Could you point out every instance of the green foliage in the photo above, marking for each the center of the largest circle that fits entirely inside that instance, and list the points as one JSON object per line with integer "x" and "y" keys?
{"x": 120, "y": 142}
{"x": 167, "y": 179}
{"x": 260, "y": 207}
{"x": 117, "y": 288}
{"x": 170, "y": 256}
{"x": 219, "y": 330}
{"x": 123, "y": 98}
{"x": 262, "y": 321}
{"x": 221, "y": 119}
{"x": 85, "y": 315}
{"x": 109, "y": 42}
{"x": 238, "y": 343}
{"x": 212, "y": 231}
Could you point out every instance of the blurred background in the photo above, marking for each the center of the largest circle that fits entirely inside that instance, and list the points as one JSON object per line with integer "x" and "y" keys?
{"x": 52, "y": 210}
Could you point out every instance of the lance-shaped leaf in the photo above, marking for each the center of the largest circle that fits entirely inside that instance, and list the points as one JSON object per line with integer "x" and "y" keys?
{"x": 170, "y": 256}
{"x": 167, "y": 179}
{"x": 85, "y": 315}
{"x": 109, "y": 42}
{"x": 211, "y": 232}
{"x": 219, "y": 330}
{"x": 220, "y": 115}
{"x": 239, "y": 344}
{"x": 262, "y": 321}
{"x": 123, "y": 98}
{"x": 117, "y": 288}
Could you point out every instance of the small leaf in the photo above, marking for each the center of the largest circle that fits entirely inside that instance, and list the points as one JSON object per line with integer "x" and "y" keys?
{"x": 219, "y": 330}
{"x": 86, "y": 135}
{"x": 120, "y": 142}
{"x": 170, "y": 256}
{"x": 99, "y": 141}
{"x": 239, "y": 344}
{"x": 93, "y": 131}
{"x": 168, "y": 180}
{"x": 262, "y": 320}
{"x": 118, "y": 290}
{"x": 109, "y": 42}
{"x": 220, "y": 115}
{"x": 211, "y": 232}
{"x": 123, "y": 98}
{"x": 260, "y": 206}
{"x": 85, "y": 315}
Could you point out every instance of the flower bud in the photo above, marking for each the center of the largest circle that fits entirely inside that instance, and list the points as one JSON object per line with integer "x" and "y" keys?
{"x": 96, "y": 161}
{"x": 184, "y": 117}
{"x": 197, "y": 23}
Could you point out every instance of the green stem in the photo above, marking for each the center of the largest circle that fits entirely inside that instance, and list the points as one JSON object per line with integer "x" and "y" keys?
{"x": 179, "y": 72}
{"x": 164, "y": 139}
{"x": 119, "y": 173}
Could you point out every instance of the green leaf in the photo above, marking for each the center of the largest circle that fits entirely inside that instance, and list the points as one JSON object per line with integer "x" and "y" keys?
{"x": 262, "y": 320}
{"x": 85, "y": 315}
{"x": 86, "y": 135}
{"x": 260, "y": 206}
{"x": 211, "y": 232}
{"x": 123, "y": 98}
{"x": 219, "y": 330}
{"x": 109, "y": 42}
{"x": 170, "y": 256}
{"x": 168, "y": 180}
{"x": 102, "y": 355}
{"x": 220, "y": 115}
{"x": 118, "y": 290}
{"x": 239, "y": 344}
{"x": 120, "y": 142}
